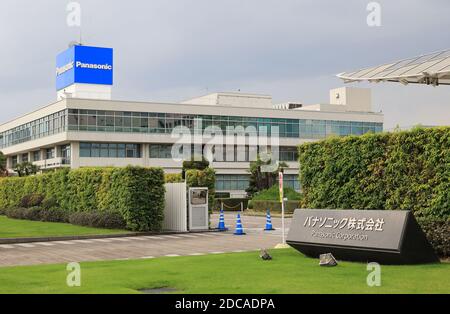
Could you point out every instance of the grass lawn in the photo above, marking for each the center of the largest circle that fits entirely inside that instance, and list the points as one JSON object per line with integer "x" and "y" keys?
{"x": 12, "y": 228}
{"x": 236, "y": 273}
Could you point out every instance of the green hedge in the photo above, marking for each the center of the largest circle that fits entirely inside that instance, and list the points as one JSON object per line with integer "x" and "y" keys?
{"x": 203, "y": 178}
{"x": 95, "y": 219}
{"x": 173, "y": 178}
{"x": 437, "y": 232}
{"x": 134, "y": 192}
{"x": 273, "y": 194}
{"x": 394, "y": 171}
{"x": 274, "y": 206}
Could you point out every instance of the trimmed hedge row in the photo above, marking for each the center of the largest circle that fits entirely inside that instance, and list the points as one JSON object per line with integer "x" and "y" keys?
{"x": 136, "y": 193}
{"x": 394, "y": 171}
{"x": 107, "y": 220}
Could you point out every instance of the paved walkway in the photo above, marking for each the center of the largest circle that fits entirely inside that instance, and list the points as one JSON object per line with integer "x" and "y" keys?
{"x": 146, "y": 246}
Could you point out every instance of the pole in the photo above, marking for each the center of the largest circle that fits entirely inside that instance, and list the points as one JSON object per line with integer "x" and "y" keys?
{"x": 242, "y": 207}
{"x": 281, "y": 183}
{"x": 282, "y": 222}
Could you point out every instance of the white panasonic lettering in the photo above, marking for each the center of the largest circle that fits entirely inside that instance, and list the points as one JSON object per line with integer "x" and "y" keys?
{"x": 82, "y": 65}
{"x": 64, "y": 68}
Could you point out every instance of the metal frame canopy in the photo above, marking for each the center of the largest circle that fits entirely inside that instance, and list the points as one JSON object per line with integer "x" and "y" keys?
{"x": 430, "y": 69}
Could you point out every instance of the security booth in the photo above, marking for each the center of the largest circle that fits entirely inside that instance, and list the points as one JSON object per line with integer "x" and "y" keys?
{"x": 198, "y": 215}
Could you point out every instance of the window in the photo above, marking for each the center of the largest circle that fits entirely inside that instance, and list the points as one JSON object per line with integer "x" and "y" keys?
{"x": 48, "y": 125}
{"x": 49, "y": 153}
{"x": 163, "y": 151}
{"x": 24, "y": 157}
{"x": 85, "y": 150}
{"x": 288, "y": 154}
{"x": 110, "y": 150}
{"x": 37, "y": 155}
{"x": 231, "y": 182}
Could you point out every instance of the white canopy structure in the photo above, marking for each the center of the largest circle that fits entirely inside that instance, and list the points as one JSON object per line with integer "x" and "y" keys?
{"x": 431, "y": 69}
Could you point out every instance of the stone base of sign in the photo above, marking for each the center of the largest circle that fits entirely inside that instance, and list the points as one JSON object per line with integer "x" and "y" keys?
{"x": 401, "y": 241}
{"x": 327, "y": 260}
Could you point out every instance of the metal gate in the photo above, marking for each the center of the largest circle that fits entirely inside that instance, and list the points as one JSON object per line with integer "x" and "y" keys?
{"x": 175, "y": 209}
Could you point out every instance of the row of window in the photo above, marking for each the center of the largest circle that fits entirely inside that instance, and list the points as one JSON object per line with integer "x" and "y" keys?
{"x": 112, "y": 121}
{"x": 227, "y": 182}
{"x": 231, "y": 182}
{"x": 48, "y": 125}
{"x": 145, "y": 122}
{"x": 109, "y": 150}
{"x": 241, "y": 153}
{"x": 48, "y": 153}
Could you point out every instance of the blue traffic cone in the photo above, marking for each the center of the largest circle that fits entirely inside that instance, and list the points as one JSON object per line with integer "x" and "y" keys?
{"x": 221, "y": 225}
{"x": 239, "y": 230}
{"x": 269, "y": 226}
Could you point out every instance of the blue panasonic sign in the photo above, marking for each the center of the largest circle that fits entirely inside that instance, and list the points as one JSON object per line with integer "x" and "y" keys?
{"x": 85, "y": 65}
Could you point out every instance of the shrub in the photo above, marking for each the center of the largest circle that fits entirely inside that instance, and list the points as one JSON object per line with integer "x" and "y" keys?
{"x": 138, "y": 194}
{"x": 203, "y": 178}
{"x": 273, "y": 194}
{"x": 173, "y": 178}
{"x": 95, "y": 219}
{"x": 274, "y": 206}
{"x": 15, "y": 213}
{"x": 54, "y": 214}
{"x": 394, "y": 171}
{"x": 196, "y": 163}
{"x": 107, "y": 220}
{"x": 50, "y": 202}
{"x": 437, "y": 232}
{"x": 134, "y": 192}
{"x": 31, "y": 200}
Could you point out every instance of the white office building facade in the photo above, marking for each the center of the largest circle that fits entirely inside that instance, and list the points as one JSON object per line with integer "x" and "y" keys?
{"x": 77, "y": 133}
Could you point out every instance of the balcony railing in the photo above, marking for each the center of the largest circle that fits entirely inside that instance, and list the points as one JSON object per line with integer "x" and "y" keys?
{"x": 52, "y": 163}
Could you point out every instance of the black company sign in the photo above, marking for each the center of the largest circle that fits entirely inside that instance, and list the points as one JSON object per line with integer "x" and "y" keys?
{"x": 354, "y": 228}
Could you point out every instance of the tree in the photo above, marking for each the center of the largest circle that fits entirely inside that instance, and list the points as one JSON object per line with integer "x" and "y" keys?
{"x": 25, "y": 169}
{"x": 260, "y": 180}
{"x": 3, "y": 170}
{"x": 194, "y": 163}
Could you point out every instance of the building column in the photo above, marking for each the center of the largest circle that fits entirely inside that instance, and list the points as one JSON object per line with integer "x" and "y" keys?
{"x": 75, "y": 155}
{"x": 146, "y": 154}
{"x": 9, "y": 162}
{"x": 43, "y": 154}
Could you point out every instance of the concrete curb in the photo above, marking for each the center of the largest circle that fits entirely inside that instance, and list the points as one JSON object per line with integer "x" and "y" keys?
{"x": 93, "y": 237}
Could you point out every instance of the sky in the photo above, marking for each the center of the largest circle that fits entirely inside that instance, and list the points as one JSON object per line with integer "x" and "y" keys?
{"x": 172, "y": 50}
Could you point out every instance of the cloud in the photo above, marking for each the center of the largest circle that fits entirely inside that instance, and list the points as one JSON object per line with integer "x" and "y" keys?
{"x": 172, "y": 50}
